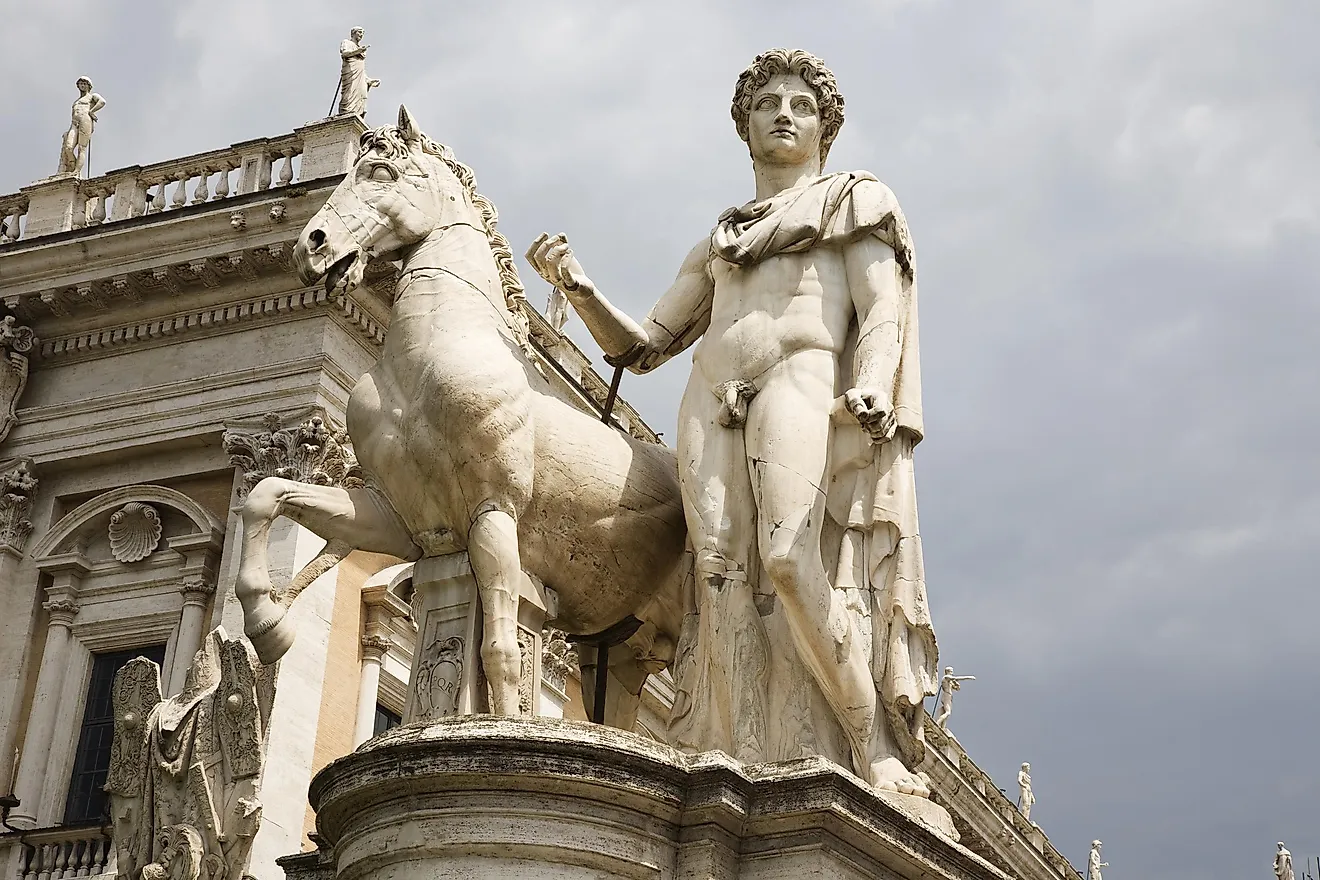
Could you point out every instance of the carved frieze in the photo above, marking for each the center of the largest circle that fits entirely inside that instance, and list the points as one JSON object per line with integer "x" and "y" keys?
{"x": 558, "y": 658}
{"x": 16, "y": 342}
{"x": 310, "y": 452}
{"x": 17, "y": 489}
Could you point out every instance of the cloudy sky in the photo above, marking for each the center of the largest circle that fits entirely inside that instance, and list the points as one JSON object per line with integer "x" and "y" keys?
{"x": 1116, "y": 207}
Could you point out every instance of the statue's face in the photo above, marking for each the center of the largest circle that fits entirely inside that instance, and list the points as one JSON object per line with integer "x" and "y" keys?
{"x": 84, "y": 86}
{"x": 357, "y": 34}
{"x": 784, "y": 126}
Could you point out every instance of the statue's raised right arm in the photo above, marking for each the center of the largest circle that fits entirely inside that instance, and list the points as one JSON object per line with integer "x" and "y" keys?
{"x": 678, "y": 319}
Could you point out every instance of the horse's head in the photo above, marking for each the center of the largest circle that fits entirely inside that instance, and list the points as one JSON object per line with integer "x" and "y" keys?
{"x": 391, "y": 199}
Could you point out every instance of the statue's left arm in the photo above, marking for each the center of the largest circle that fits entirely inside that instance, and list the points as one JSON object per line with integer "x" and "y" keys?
{"x": 875, "y": 284}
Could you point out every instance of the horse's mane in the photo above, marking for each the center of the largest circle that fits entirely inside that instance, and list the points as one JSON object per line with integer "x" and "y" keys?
{"x": 390, "y": 141}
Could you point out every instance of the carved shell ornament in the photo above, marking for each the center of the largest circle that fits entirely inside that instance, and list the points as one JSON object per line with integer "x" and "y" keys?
{"x": 134, "y": 531}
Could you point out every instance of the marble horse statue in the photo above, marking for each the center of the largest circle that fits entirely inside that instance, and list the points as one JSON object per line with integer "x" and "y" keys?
{"x": 463, "y": 444}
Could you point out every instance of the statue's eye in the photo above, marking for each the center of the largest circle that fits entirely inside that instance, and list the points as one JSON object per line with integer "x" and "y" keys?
{"x": 384, "y": 174}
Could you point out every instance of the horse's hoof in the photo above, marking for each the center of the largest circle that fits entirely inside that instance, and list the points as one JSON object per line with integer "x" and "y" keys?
{"x": 272, "y": 637}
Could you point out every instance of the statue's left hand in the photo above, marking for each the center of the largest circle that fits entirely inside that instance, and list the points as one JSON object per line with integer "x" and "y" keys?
{"x": 873, "y": 411}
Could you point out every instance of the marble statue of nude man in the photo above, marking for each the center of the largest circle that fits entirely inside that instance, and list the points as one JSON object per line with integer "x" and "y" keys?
{"x": 73, "y": 151}
{"x": 804, "y": 305}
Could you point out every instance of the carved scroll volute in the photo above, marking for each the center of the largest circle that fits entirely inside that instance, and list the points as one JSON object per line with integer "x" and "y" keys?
{"x": 15, "y": 343}
{"x": 238, "y": 715}
{"x": 134, "y": 694}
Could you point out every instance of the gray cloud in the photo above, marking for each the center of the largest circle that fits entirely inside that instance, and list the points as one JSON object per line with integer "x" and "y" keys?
{"x": 1116, "y": 207}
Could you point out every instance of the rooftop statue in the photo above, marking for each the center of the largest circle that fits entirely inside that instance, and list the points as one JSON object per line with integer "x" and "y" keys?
{"x": 78, "y": 139}
{"x": 809, "y": 632}
{"x": 1093, "y": 863}
{"x": 944, "y": 705}
{"x": 1026, "y": 797}
{"x": 462, "y": 443}
{"x": 353, "y": 82}
{"x": 1283, "y": 867}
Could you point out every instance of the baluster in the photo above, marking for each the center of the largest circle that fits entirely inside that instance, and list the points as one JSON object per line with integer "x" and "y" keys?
{"x": 47, "y": 857}
{"x": 286, "y": 170}
{"x": 79, "y": 218}
{"x": 98, "y": 861}
{"x": 181, "y": 194}
{"x": 157, "y": 203}
{"x": 263, "y": 180}
{"x": 99, "y": 212}
{"x": 84, "y": 858}
{"x": 203, "y": 191}
{"x": 222, "y": 185}
{"x": 12, "y": 229}
{"x": 62, "y": 858}
{"x": 138, "y": 206}
{"x": 27, "y": 869}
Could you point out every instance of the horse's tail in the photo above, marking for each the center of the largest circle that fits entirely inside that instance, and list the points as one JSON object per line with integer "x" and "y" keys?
{"x": 333, "y": 553}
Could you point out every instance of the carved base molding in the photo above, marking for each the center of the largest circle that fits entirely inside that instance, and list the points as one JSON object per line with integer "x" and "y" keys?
{"x": 518, "y": 797}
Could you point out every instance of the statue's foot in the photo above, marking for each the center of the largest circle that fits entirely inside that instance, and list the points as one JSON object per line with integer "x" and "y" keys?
{"x": 889, "y": 774}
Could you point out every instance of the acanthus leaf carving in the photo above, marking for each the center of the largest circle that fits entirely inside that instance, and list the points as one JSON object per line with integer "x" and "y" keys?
{"x": 311, "y": 452}
{"x": 17, "y": 489}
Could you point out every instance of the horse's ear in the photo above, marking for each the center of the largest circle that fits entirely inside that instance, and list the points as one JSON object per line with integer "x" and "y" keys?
{"x": 408, "y": 126}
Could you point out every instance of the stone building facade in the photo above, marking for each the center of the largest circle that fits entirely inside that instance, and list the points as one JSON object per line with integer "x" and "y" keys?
{"x": 160, "y": 357}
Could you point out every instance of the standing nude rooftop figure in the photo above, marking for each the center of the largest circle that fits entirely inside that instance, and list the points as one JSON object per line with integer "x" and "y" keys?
{"x": 353, "y": 82}
{"x": 944, "y": 705}
{"x": 809, "y": 632}
{"x": 77, "y": 140}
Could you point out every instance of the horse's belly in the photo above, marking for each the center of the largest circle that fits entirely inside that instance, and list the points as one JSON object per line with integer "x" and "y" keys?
{"x": 605, "y": 524}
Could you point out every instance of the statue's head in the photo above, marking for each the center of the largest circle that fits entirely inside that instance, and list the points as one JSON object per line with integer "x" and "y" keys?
{"x": 948, "y": 670}
{"x": 1026, "y": 766}
{"x": 1095, "y": 844}
{"x": 84, "y": 85}
{"x": 356, "y": 34}
{"x": 787, "y": 106}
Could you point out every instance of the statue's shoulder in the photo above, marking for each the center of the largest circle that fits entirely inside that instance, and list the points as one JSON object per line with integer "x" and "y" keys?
{"x": 871, "y": 198}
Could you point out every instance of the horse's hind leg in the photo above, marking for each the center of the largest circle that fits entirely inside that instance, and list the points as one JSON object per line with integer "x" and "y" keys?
{"x": 497, "y": 568}
{"x": 348, "y": 519}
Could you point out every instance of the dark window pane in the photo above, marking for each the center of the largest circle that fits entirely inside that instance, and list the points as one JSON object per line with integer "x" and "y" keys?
{"x": 91, "y": 763}
{"x": 385, "y": 719}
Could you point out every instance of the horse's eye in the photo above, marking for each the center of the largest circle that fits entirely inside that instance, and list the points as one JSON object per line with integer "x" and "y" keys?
{"x": 383, "y": 174}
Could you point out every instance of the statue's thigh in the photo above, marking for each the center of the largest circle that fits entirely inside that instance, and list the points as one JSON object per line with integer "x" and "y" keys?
{"x": 713, "y": 474}
{"x": 788, "y": 434}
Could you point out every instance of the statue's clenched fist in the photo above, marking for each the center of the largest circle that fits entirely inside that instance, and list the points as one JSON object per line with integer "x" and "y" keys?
{"x": 553, "y": 260}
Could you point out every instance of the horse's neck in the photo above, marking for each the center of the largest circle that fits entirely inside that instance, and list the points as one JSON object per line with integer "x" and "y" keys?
{"x": 458, "y": 251}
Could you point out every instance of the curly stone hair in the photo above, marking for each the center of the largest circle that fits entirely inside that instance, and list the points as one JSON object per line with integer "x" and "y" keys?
{"x": 813, "y": 72}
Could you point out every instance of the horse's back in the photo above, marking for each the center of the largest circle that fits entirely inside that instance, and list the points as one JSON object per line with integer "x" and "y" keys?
{"x": 605, "y": 526}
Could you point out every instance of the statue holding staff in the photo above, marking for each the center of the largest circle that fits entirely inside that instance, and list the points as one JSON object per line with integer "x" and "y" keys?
{"x": 353, "y": 82}
{"x": 78, "y": 139}
{"x": 809, "y": 631}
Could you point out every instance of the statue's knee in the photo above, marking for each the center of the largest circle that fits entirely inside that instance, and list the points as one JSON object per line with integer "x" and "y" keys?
{"x": 785, "y": 561}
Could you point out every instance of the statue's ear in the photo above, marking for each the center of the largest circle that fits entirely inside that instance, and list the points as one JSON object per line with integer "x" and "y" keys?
{"x": 408, "y": 126}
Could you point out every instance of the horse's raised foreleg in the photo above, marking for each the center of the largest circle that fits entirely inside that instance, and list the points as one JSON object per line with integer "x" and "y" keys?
{"x": 497, "y": 568}
{"x": 349, "y": 519}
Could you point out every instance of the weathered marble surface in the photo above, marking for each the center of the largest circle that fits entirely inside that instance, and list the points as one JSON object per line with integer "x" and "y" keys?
{"x": 1283, "y": 866}
{"x": 502, "y": 797}
{"x": 462, "y": 443}
{"x": 1026, "y": 797}
{"x": 77, "y": 140}
{"x": 185, "y": 772}
{"x": 1093, "y": 863}
{"x": 809, "y": 630}
{"x": 353, "y": 82}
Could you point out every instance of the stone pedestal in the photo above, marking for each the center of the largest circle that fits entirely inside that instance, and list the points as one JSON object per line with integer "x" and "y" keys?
{"x": 446, "y": 674}
{"x": 52, "y": 204}
{"x": 486, "y": 797}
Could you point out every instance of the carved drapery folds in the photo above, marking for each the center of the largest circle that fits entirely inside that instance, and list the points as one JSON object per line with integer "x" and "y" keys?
{"x": 17, "y": 489}
{"x": 184, "y": 772}
{"x": 15, "y": 343}
{"x": 312, "y": 451}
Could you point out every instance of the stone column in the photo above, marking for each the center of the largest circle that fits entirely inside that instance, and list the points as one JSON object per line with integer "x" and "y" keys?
{"x": 373, "y": 651}
{"x": 62, "y": 606}
{"x": 17, "y": 489}
{"x": 197, "y": 594}
{"x": 380, "y": 606}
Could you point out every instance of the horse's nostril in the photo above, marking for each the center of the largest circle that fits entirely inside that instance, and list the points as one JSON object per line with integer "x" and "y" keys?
{"x": 317, "y": 238}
